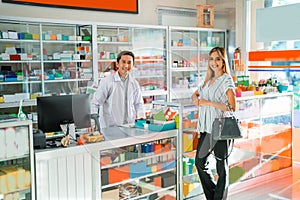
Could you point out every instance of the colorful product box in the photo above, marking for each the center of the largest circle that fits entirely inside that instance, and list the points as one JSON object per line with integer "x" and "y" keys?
{"x": 118, "y": 174}
{"x": 21, "y": 36}
{"x": 139, "y": 169}
{"x": 35, "y": 36}
{"x": 28, "y": 36}
{"x": 65, "y": 37}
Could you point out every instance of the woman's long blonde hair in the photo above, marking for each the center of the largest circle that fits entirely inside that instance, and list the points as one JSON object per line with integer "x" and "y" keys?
{"x": 210, "y": 73}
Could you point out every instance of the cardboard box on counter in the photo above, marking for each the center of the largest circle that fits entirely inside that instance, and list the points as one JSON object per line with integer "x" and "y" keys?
{"x": 112, "y": 194}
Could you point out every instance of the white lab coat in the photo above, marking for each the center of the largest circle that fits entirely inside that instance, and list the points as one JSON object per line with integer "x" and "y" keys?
{"x": 109, "y": 99}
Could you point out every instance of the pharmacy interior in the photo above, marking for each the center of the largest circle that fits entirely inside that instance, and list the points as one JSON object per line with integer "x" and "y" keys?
{"x": 150, "y": 161}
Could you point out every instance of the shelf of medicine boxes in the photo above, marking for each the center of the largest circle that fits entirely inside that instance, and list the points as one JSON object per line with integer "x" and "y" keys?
{"x": 64, "y": 67}
{"x": 150, "y": 166}
{"x": 188, "y": 56}
{"x": 16, "y": 160}
{"x": 186, "y": 118}
{"x": 283, "y": 63}
{"x": 148, "y": 43}
{"x": 191, "y": 185}
{"x": 266, "y": 146}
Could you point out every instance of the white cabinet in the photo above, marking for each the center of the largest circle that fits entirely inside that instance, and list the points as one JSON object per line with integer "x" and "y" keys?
{"x": 16, "y": 160}
{"x": 188, "y": 56}
{"x": 99, "y": 170}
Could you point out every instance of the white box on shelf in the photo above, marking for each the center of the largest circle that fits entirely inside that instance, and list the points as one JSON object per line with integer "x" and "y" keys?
{"x": 56, "y": 56}
{"x": 9, "y": 98}
{"x": 10, "y": 135}
{"x": 2, "y": 143}
{"x": 58, "y": 36}
{"x": 47, "y": 37}
{"x": 23, "y": 56}
{"x": 76, "y": 56}
{"x": 5, "y": 35}
{"x": 22, "y": 141}
{"x": 72, "y": 37}
{"x": 12, "y": 35}
{"x": 5, "y": 56}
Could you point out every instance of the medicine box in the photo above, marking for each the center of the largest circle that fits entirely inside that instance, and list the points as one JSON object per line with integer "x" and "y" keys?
{"x": 162, "y": 127}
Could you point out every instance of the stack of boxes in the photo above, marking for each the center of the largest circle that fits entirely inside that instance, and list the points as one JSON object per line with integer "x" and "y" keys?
{"x": 160, "y": 155}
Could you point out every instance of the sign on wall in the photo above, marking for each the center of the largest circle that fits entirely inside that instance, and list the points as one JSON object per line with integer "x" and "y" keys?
{"x": 287, "y": 26}
{"x": 128, "y": 6}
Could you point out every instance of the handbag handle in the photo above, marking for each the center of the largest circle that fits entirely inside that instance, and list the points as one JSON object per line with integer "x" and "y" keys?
{"x": 230, "y": 111}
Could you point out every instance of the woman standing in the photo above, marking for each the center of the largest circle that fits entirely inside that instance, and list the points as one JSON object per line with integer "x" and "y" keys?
{"x": 214, "y": 96}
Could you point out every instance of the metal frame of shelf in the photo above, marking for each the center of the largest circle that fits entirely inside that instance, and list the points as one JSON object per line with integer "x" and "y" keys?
{"x": 197, "y": 47}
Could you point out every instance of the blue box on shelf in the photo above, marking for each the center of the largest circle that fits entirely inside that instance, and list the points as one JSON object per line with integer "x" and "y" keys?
{"x": 10, "y": 78}
{"x": 139, "y": 169}
{"x": 139, "y": 123}
{"x": 168, "y": 165}
{"x": 162, "y": 127}
{"x": 21, "y": 36}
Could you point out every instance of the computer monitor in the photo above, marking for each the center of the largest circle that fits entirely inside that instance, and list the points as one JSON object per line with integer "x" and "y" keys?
{"x": 56, "y": 110}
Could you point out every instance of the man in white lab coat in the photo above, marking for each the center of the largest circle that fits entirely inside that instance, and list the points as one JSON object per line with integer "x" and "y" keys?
{"x": 118, "y": 96}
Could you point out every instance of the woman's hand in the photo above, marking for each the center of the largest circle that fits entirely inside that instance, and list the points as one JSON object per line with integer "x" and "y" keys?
{"x": 202, "y": 102}
{"x": 91, "y": 129}
{"x": 195, "y": 98}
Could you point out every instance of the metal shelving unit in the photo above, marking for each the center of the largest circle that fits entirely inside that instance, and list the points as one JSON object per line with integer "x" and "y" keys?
{"x": 188, "y": 56}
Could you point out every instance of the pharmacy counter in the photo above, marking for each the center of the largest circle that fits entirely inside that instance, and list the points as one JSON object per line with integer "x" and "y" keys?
{"x": 74, "y": 172}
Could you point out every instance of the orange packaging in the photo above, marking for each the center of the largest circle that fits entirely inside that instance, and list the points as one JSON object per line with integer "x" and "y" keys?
{"x": 157, "y": 148}
{"x": 53, "y": 37}
{"x": 168, "y": 197}
{"x": 157, "y": 181}
{"x": 118, "y": 174}
{"x": 105, "y": 161}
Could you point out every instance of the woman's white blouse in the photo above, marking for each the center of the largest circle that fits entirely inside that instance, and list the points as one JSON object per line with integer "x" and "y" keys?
{"x": 215, "y": 92}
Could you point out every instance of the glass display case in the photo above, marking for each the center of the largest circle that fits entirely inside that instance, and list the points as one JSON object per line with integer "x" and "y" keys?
{"x": 266, "y": 146}
{"x": 188, "y": 55}
{"x": 186, "y": 119}
{"x": 143, "y": 170}
{"x": 17, "y": 174}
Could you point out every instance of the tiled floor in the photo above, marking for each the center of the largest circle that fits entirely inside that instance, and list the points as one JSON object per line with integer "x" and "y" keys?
{"x": 285, "y": 186}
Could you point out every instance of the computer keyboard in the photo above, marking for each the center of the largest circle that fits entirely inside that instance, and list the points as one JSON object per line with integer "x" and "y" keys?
{"x": 7, "y": 117}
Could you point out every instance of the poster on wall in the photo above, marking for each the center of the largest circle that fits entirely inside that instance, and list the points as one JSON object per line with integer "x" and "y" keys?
{"x": 128, "y": 6}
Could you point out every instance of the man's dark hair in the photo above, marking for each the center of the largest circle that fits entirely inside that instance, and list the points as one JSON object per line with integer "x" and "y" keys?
{"x": 122, "y": 53}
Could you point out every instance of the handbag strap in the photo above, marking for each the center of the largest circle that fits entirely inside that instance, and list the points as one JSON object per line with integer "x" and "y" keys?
{"x": 230, "y": 111}
{"x": 211, "y": 139}
{"x": 211, "y": 151}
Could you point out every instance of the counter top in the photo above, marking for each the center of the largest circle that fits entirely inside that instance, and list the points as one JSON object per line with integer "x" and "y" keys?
{"x": 270, "y": 95}
{"x": 113, "y": 137}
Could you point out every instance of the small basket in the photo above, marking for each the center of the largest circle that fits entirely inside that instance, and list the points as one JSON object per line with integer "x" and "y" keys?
{"x": 93, "y": 138}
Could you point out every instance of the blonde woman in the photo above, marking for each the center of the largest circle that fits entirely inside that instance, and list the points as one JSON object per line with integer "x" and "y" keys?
{"x": 215, "y": 95}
